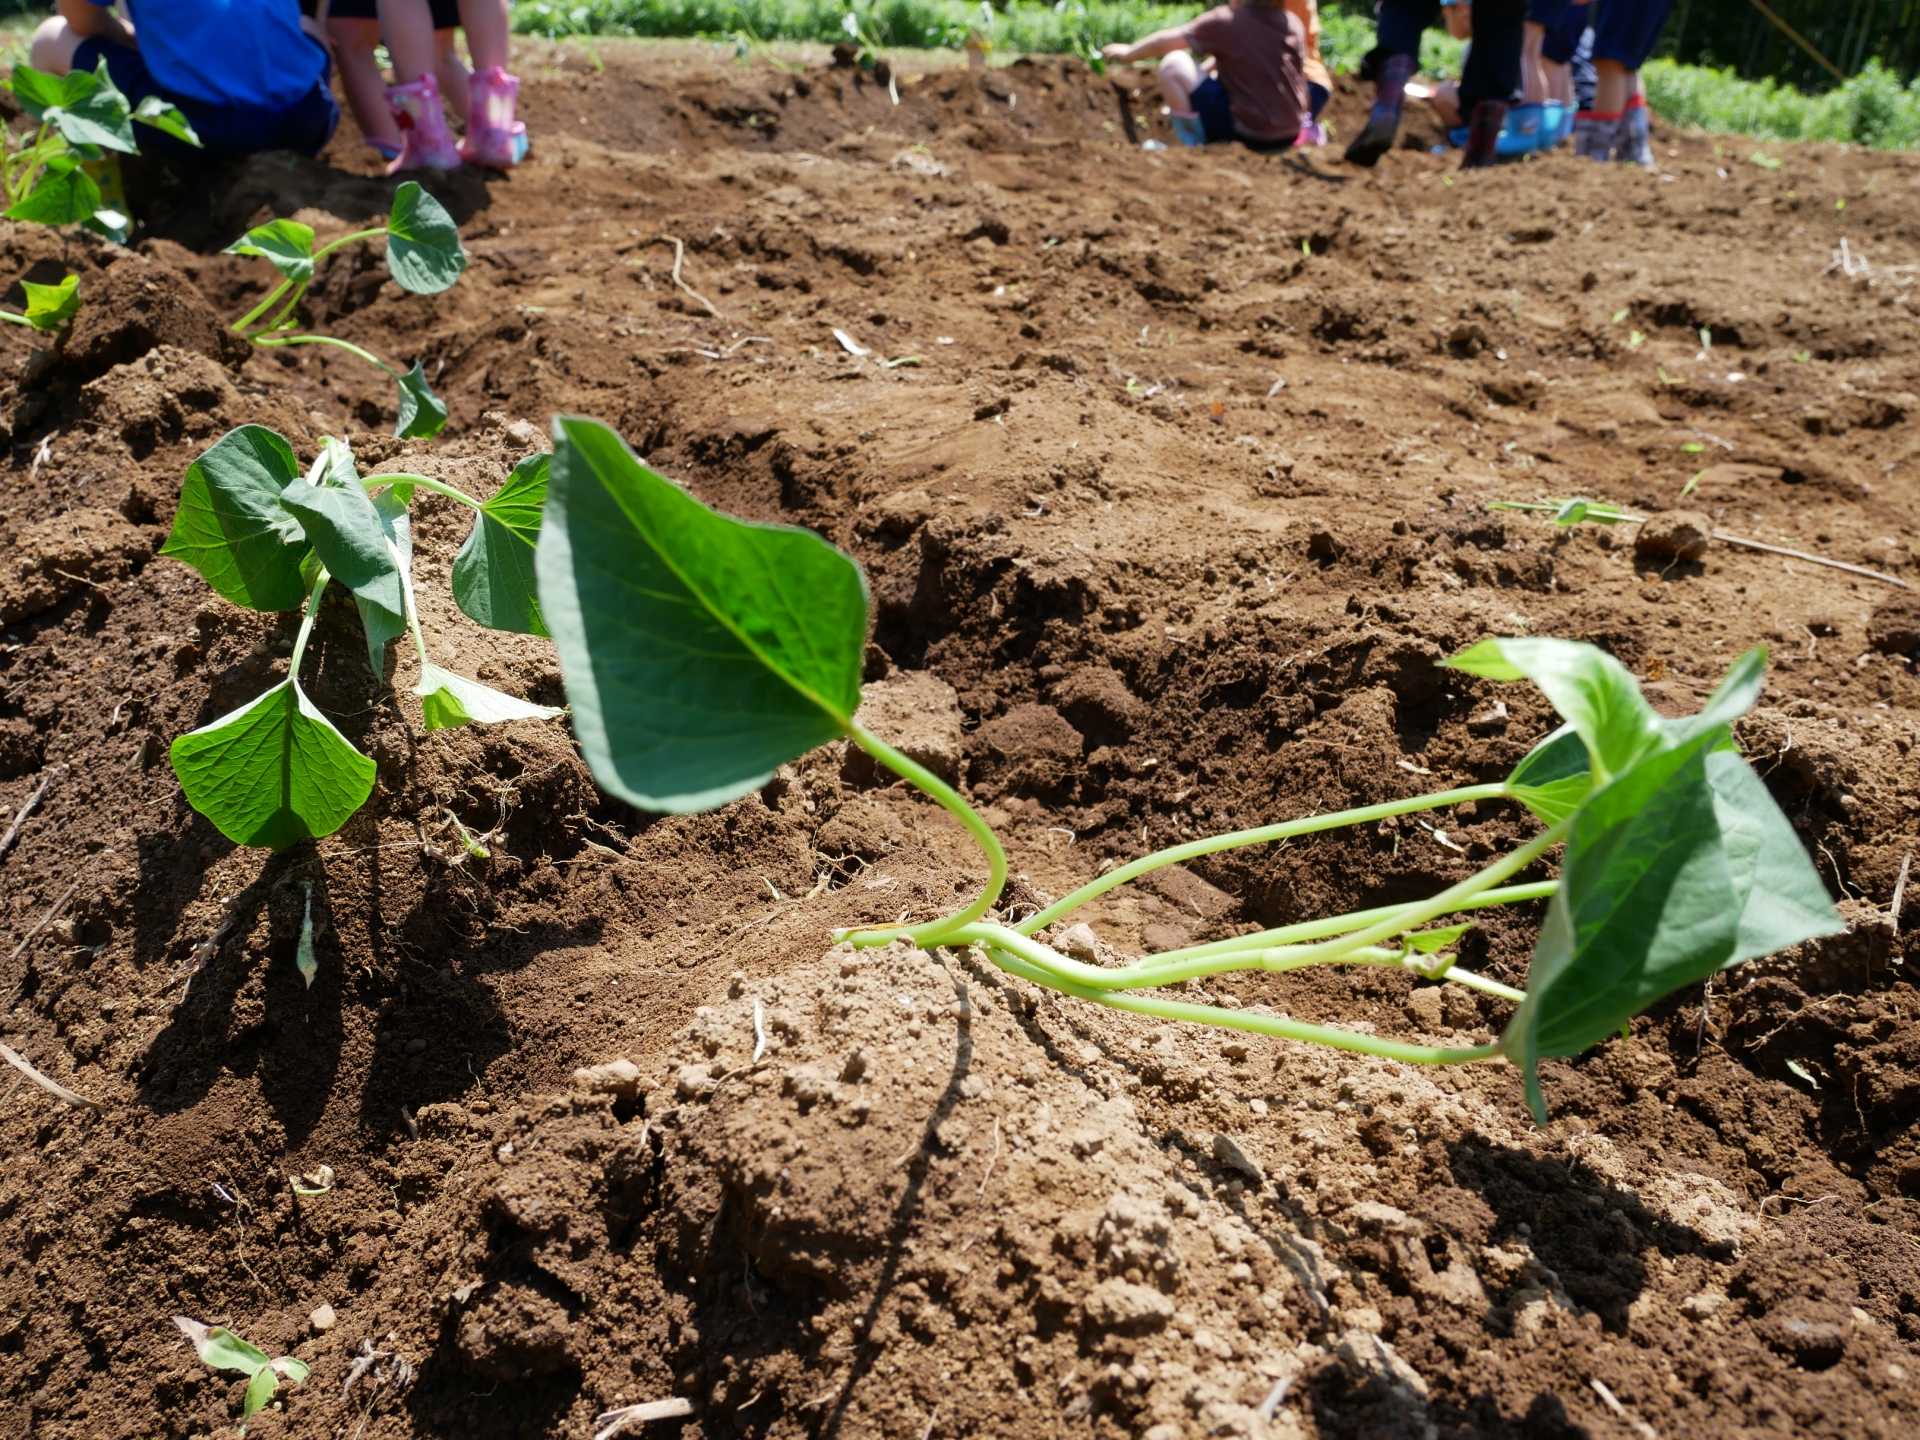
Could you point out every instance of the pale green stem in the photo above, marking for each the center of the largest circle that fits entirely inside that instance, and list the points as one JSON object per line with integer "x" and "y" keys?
{"x": 14, "y": 319}
{"x": 1447, "y": 900}
{"x": 934, "y": 932}
{"x": 279, "y": 319}
{"x": 332, "y": 245}
{"x": 241, "y": 325}
{"x": 1279, "y": 1026}
{"x": 306, "y": 623}
{"x": 439, "y": 487}
{"x": 1308, "y": 825}
{"x": 1345, "y": 924}
{"x": 413, "y": 608}
{"x": 334, "y": 340}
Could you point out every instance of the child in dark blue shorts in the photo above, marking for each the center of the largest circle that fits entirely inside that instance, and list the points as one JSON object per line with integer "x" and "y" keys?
{"x": 244, "y": 72}
{"x": 1487, "y": 85}
{"x": 1625, "y": 32}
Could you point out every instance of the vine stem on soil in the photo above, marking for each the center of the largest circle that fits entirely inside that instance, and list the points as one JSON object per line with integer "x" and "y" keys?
{"x": 370, "y": 483}
{"x": 334, "y": 340}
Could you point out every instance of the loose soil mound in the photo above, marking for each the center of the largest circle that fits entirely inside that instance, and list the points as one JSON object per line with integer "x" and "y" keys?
{"x": 1170, "y": 474}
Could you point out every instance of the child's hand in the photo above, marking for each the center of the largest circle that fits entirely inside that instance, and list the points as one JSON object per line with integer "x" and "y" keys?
{"x": 1116, "y": 53}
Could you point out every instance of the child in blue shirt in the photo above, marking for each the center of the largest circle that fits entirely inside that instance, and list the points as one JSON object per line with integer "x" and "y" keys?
{"x": 244, "y": 72}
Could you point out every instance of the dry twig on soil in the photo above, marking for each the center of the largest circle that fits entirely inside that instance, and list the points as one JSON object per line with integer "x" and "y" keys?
{"x": 26, "y": 809}
{"x": 52, "y": 1087}
{"x": 680, "y": 259}
{"x": 622, "y": 1421}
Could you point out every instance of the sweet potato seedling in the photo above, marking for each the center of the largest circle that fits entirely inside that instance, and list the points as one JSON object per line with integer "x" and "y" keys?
{"x": 49, "y": 307}
{"x": 49, "y": 174}
{"x": 701, "y": 652}
{"x": 221, "y": 1349}
{"x": 424, "y": 256}
{"x": 269, "y": 536}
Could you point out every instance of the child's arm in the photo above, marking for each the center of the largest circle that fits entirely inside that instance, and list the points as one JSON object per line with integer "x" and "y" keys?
{"x": 95, "y": 20}
{"x": 1161, "y": 42}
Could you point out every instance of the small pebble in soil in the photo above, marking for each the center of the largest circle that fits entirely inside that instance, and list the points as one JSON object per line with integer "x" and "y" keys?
{"x": 322, "y": 1319}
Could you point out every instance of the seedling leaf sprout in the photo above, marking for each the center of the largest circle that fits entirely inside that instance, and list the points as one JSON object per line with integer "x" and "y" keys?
{"x": 424, "y": 256}
{"x": 266, "y": 535}
{"x": 49, "y": 307}
{"x": 221, "y": 1349}
{"x": 700, "y": 652}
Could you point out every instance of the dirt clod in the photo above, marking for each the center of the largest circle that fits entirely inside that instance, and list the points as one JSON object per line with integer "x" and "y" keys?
{"x": 1674, "y": 535}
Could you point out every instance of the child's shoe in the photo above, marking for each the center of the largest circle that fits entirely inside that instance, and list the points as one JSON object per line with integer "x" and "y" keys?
{"x": 495, "y": 139}
{"x": 1633, "y": 142}
{"x": 1383, "y": 121}
{"x": 1594, "y": 134}
{"x": 425, "y": 141}
{"x": 1483, "y": 134}
{"x": 1312, "y": 135}
{"x": 1188, "y": 129}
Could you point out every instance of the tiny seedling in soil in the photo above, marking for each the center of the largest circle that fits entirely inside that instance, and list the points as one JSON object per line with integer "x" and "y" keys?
{"x": 221, "y": 1349}
{"x": 424, "y": 256}
{"x": 49, "y": 307}
{"x": 701, "y": 652}
{"x": 52, "y": 175}
{"x": 267, "y": 535}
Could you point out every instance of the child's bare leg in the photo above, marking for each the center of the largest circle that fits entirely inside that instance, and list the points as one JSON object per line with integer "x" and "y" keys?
{"x": 1533, "y": 74}
{"x": 452, "y": 71}
{"x": 1559, "y": 81}
{"x": 1179, "y": 78}
{"x": 53, "y": 46}
{"x": 408, "y": 28}
{"x": 485, "y": 22}
{"x": 354, "y": 42}
{"x": 1615, "y": 87}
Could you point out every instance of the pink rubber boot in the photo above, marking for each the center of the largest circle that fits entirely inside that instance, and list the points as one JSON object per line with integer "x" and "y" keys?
{"x": 495, "y": 138}
{"x": 425, "y": 141}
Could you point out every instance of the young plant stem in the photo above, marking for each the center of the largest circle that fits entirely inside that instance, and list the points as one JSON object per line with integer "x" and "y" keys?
{"x": 12, "y": 318}
{"x": 371, "y": 233}
{"x": 370, "y": 483}
{"x": 246, "y": 321}
{"x": 934, "y": 932}
{"x": 346, "y": 345}
{"x": 1265, "y": 834}
{"x": 1279, "y": 1026}
{"x": 306, "y": 624}
{"x": 1345, "y": 924}
{"x": 413, "y": 608}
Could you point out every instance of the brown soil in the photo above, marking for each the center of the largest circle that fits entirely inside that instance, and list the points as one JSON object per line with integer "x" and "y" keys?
{"x": 1182, "y": 495}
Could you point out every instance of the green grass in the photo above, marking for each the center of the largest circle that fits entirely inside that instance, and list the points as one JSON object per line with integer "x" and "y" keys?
{"x": 1873, "y": 108}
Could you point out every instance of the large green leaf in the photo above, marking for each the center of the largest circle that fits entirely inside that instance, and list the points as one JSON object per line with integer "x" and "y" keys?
{"x": 424, "y": 253}
{"x": 493, "y": 579}
{"x": 232, "y": 526}
{"x": 422, "y": 413}
{"x": 167, "y": 117}
{"x": 351, "y": 535}
{"x": 274, "y": 772}
{"x": 1592, "y": 691}
{"x": 1554, "y": 777}
{"x": 447, "y": 700}
{"x": 94, "y": 115}
{"x": 285, "y": 244}
{"x": 51, "y": 306}
{"x": 700, "y": 652}
{"x": 39, "y": 91}
{"x": 1780, "y": 898}
{"x": 64, "y": 194}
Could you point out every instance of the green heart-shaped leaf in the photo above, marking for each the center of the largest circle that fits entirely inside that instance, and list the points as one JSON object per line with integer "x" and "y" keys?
{"x": 232, "y": 527}
{"x": 285, "y": 244}
{"x": 95, "y": 115}
{"x": 422, "y": 413}
{"x": 63, "y": 195}
{"x": 1554, "y": 777}
{"x": 1593, "y": 692}
{"x": 167, "y": 117}
{"x": 424, "y": 253}
{"x": 274, "y": 772}
{"x": 39, "y": 91}
{"x": 51, "y": 306}
{"x": 700, "y": 652}
{"x": 493, "y": 580}
{"x": 449, "y": 700}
